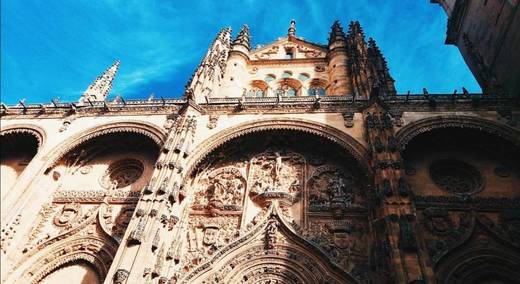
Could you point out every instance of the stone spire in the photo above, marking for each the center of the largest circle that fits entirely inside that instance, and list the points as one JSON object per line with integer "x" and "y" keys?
{"x": 291, "y": 32}
{"x": 336, "y": 33}
{"x": 207, "y": 76}
{"x": 243, "y": 38}
{"x": 99, "y": 89}
{"x": 375, "y": 56}
{"x": 379, "y": 69}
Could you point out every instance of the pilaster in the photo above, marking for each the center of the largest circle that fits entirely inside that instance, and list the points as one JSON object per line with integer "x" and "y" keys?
{"x": 148, "y": 247}
{"x": 399, "y": 255}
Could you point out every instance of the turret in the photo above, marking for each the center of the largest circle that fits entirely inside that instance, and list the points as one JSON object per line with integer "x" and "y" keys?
{"x": 207, "y": 78}
{"x": 100, "y": 88}
{"x": 339, "y": 75}
{"x": 235, "y": 77}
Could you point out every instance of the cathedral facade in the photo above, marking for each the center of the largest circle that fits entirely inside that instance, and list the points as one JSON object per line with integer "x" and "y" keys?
{"x": 292, "y": 162}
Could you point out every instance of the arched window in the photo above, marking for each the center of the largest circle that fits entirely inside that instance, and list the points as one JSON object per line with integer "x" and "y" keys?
{"x": 258, "y": 88}
{"x": 286, "y": 74}
{"x": 269, "y": 78}
{"x": 288, "y": 88}
{"x": 317, "y": 88}
{"x": 316, "y": 91}
{"x": 303, "y": 77}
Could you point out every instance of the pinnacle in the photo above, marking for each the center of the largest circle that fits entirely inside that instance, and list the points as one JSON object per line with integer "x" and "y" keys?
{"x": 355, "y": 28}
{"x": 291, "y": 32}
{"x": 373, "y": 48}
{"x": 243, "y": 37}
{"x": 336, "y": 33}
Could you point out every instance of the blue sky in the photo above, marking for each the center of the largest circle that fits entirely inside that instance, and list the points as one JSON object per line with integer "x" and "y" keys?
{"x": 55, "y": 49}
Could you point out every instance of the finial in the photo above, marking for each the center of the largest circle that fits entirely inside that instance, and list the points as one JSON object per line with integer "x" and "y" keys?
{"x": 291, "y": 32}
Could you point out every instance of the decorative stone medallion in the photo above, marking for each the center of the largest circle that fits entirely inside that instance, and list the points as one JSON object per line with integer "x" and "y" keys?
{"x": 456, "y": 177}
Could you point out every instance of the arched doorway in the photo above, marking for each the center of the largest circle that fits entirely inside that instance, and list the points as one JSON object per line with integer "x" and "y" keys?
{"x": 95, "y": 181}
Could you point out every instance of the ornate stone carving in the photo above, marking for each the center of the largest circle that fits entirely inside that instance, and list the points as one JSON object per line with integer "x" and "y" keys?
{"x": 68, "y": 215}
{"x": 8, "y": 231}
{"x": 456, "y": 177}
{"x": 212, "y": 123}
{"x": 437, "y": 221}
{"x": 206, "y": 235}
{"x": 331, "y": 189}
{"x": 66, "y": 123}
{"x": 342, "y": 240}
{"x": 278, "y": 176}
{"x": 270, "y": 233}
{"x": 122, "y": 173}
{"x": 171, "y": 120}
{"x": 222, "y": 190}
{"x": 120, "y": 276}
{"x": 348, "y": 117}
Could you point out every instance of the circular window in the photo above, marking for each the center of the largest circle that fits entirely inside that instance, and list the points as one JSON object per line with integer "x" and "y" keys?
{"x": 456, "y": 177}
{"x": 122, "y": 173}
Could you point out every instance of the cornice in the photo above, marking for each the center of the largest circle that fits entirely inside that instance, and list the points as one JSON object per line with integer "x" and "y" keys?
{"x": 248, "y": 105}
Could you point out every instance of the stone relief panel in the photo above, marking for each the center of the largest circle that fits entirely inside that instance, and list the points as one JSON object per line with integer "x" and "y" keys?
{"x": 221, "y": 190}
{"x": 205, "y": 235}
{"x": 344, "y": 241}
{"x": 109, "y": 162}
{"x": 277, "y": 175}
{"x": 332, "y": 189}
{"x": 447, "y": 230}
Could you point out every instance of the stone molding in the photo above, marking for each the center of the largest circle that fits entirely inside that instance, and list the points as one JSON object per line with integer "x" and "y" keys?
{"x": 410, "y": 131}
{"x": 129, "y": 126}
{"x": 38, "y": 132}
{"x": 355, "y": 148}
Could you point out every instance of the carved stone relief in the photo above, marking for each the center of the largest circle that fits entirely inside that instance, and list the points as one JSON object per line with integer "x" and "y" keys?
{"x": 331, "y": 189}
{"x": 68, "y": 215}
{"x": 221, "y": 190}
{"x": 204, "y": 236}
{"x": 277, "y": 175}
{"x": 344, "y": 241}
